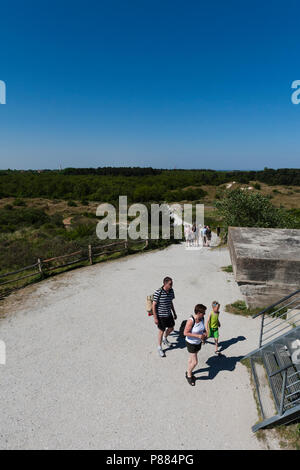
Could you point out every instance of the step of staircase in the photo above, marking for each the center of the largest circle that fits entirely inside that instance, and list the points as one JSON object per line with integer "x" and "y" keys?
{"x": 271, "y": 364}
{"x": 269, "y": 389}
{"x": 293, "y": 376}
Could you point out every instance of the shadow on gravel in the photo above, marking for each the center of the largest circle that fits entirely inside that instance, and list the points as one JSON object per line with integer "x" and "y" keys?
{"x": 180, "y": 343}
{"x": 229, "y": 342}
{"x": 217, "y": 364}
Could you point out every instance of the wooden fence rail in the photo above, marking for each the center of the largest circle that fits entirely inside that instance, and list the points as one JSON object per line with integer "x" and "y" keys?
{"x": 42, "y": 267}
{"x": 62, "y": 256}
{"x": 18, "y": 271}
{"x": 52, "y": 268}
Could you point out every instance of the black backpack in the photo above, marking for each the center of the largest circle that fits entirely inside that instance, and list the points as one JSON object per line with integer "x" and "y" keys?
{"x": 182, "y": 327}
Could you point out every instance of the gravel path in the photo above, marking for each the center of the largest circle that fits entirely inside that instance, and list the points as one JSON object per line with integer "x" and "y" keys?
{"x": 83, "y": 369}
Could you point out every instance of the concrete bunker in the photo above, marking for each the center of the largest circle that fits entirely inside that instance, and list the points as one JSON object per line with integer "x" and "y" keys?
{"x": 266, "y": 263}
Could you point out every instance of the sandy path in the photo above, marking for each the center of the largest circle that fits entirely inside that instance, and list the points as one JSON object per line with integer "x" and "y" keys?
{"x": 83, "y": 369}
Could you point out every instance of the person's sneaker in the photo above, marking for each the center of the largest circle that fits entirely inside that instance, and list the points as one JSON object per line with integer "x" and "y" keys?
{"x": 166, "y": 342}
{"x": 161, "y": 352}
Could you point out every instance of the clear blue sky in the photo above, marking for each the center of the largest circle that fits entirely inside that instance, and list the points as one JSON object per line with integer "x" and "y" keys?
{"x": 159, "y": 83}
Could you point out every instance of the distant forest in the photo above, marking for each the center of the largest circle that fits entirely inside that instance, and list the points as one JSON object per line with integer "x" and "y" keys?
{"x": 139, "y": 184}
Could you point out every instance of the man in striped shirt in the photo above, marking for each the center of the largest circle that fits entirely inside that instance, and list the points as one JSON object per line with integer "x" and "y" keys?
{"x": 164, "y": 312}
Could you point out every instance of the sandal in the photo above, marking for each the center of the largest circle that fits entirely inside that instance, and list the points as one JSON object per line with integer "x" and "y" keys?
{"x": 191, "y": 380}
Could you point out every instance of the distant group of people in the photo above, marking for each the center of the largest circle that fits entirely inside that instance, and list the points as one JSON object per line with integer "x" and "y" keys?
{"x": 196, "y": 331}
{"x": 197, "y": 235}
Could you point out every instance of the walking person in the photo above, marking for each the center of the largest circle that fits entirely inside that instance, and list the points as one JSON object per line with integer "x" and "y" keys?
{"x": 195, "y": 335}
{"x": 186, "y": 234}
{"x": 164, "y": 313}
{"x": 208, "y": 235}
{"x": 194, "y": 234}
{"x": 198, "y": 234}
{"x": 190, "y": 235}
{"x": 213, "y": 324}
{"x": 203, "y": 235}
{"x": 187, "y": 231}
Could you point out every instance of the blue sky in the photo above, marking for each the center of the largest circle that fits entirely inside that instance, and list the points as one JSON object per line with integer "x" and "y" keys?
{"x": 149, "y": 83}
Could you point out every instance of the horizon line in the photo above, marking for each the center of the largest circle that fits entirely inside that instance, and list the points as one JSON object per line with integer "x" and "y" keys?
{"x": 145, "y": 167}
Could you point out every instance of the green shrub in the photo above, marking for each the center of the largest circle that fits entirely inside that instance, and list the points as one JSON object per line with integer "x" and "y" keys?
{"x": 81, "y": 231}
{"x": 19, "y": 202}
{"x": 72, "y": 204}
{"x": 247, "y": 209}
{"x": 8, "y": 228}
{"x": 23, "y": 217}
{"x": 191, "y": 194}
{"x": 90, "y": 215}
{"x": 57, "y": 219}
{"x": 239, "y": 304}
{"x": 48, "y": 226}
{"x": 227, "y": 269}
{"x": 239, "y": 307}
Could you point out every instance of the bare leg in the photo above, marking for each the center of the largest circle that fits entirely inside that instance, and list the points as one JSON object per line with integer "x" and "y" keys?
{"x": 160, "y": 337}
{"x": 168, "y": 331}
{"x": 192, "y": 362}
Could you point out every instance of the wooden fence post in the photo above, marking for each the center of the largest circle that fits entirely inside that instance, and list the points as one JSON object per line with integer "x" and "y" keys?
{"x": 40, "y": 266}
{"x": 90, "y": 254}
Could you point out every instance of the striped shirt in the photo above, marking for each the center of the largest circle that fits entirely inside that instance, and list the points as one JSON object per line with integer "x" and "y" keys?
{"x": 164, "y": 302}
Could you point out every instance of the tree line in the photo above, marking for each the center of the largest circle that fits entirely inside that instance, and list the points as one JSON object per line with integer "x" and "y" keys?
{"x": 139, "y": 184}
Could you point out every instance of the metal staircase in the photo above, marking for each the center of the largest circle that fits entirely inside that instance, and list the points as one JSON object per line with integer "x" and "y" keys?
{"x": 275, "y": 364}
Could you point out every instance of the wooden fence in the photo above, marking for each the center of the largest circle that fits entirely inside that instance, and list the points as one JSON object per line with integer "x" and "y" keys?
{"x": 9, "y": 282}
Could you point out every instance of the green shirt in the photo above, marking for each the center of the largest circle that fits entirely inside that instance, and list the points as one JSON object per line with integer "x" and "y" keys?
{"x": 214, "y": 320}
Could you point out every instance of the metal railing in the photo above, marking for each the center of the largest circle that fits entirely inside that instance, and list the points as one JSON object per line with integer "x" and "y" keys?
{"x": 279, "y": 355}
{"x": 287, "y": 400}
{"x": 279, "y": 318}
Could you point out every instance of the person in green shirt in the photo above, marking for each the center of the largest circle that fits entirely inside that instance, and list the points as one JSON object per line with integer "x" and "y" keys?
{"x": 213, "y": 324}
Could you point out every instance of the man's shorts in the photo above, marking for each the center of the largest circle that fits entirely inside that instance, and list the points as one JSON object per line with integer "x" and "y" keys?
{"x": 165, "y": 322}
{"x": 193, "y": 348}
{"x": 214, "y": 333}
